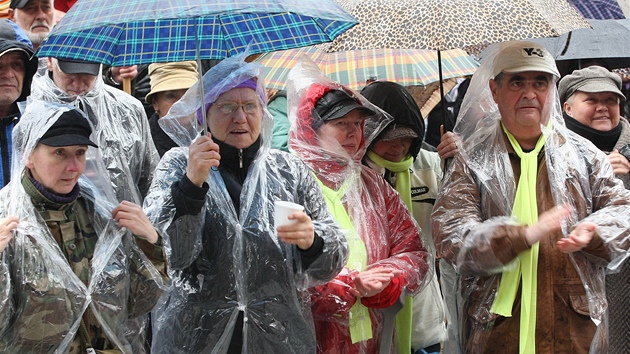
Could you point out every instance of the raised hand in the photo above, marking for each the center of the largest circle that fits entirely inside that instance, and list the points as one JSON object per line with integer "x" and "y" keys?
{"x": 203, "y": 154}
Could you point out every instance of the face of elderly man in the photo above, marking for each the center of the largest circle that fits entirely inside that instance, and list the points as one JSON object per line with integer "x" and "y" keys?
{"x": 235, "y": 117}
{"x": 12, "y": 71}
{"x": 520, "y": 98}
{"x": 73, "y": 84}
{"x": 598, "y": 110}
{"x": 37, "y": 19}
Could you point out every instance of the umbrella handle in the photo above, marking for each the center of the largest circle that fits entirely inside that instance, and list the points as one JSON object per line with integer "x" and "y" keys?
{"x": 127, "y": 85}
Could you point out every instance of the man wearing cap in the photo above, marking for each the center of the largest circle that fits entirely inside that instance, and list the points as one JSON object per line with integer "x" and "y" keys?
{"x": 590, "y": 98}
{"x": 169, "y": 82}
{"x": 121, "y": 127}
{"x": 35, "y": 17}
{"x": 17, "y": 67}
{"x": 529, "y": 214}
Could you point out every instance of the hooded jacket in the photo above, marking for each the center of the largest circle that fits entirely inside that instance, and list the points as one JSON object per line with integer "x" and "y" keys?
{"x": 425, "y": 180}
{"x": 379, "y": 217}
{"x": 233, "y": 279}
{"x": 7, "y": 123}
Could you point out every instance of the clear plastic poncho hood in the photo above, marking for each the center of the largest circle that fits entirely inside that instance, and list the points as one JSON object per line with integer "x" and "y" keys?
{"x": 579, "y": 176}
{"x": 225, "y": 262}
{"x": 375, "y": 219}
{"x": 121, "y": 130}
{"x": 42, "y": 300}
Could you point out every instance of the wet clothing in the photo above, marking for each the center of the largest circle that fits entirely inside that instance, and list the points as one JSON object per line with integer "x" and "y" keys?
{"x": 236, "y": 286}
{"x": 472, "y": 232}
{"x": 6, "y": 129}
{"x": 378, "y": 225}
{"x": 70, "y": 277}
{"x": 121, "y": 130}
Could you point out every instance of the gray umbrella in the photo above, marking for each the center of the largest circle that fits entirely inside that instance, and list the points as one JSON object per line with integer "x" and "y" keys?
{"x": 606, "y": 44}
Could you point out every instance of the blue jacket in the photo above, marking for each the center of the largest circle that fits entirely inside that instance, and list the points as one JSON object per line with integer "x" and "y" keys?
{"x": 6, "y": 129}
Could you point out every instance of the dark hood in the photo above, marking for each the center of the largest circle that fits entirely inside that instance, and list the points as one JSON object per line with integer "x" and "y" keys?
{"x": 398, "y": 102}
{"x": 30, "y": 64}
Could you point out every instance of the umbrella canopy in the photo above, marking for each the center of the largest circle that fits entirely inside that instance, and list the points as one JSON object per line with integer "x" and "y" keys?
{"x": 604, "y": 43}
{"x": 598, "y": 9}
{"x": 448, "y": 24}
{"x": 355, "y": 67}
{"x": 131, "y": 32}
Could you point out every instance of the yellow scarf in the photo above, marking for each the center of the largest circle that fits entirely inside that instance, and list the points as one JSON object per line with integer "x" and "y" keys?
{"x": 403, "y": 187}
{"x": 525, "y": 210}
{"x": 359, "y": 315}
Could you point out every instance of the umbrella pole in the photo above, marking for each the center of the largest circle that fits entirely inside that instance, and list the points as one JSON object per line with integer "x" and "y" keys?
{"x": 200, "y": 71}
{"x": 439, "y": 58}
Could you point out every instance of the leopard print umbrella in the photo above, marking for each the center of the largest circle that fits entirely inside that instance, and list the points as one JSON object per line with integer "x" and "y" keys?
{"x": 448, "y": 24}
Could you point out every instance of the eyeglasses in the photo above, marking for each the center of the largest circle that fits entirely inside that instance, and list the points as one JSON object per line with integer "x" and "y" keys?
{"x": 228, "y": 108}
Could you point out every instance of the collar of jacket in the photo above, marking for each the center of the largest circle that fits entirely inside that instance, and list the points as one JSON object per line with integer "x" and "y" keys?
{"x": 237, "y": 159}
{"x": 45, "y": 198}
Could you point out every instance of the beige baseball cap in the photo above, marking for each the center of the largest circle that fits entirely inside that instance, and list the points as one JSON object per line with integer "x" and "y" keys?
{"x": 171, "y": 76}
{"x": 524, "y": 56}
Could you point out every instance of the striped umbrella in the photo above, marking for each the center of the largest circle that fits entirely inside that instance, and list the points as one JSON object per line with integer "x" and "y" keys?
{"x": 354, "y": 68}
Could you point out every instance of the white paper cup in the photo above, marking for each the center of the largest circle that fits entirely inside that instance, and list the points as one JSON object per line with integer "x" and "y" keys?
{"x": 283, "y": 210}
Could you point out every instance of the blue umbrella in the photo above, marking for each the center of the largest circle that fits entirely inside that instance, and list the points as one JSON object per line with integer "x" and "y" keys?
{"x": 598, "y": 9}
{"x": 129, "y": 32}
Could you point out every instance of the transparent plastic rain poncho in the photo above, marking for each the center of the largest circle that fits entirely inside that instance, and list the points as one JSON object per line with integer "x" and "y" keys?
{"x": 384, "y": 232}
{"x": 42, "y": 300}
{"x": 222, "y": 262}
{"x": 475, "y": 204}
{"x": 121, "y": 130}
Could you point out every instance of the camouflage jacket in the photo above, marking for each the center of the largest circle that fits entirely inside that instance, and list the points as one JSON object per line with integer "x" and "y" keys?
{"x": 40, "y": 306}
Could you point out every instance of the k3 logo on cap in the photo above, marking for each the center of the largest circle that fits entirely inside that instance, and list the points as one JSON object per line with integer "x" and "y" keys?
{"x": 533, "y": 51}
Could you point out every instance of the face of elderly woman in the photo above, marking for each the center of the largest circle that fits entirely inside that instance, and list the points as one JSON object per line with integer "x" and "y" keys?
{"x": 235, "y": 117}
{"x": 57, "y": 168}
{"x": 346, "y": 131}
{"x": 598, "y": 110}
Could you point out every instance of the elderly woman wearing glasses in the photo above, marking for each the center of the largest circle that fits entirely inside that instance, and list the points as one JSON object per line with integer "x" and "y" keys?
{"x": 239, "y": 281}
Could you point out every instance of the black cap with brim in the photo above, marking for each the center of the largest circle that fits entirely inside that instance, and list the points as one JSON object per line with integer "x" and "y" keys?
{"x": 79, "y": 67}
{"x": 18, "y": 4}
{"x": 71, "y": 128}
{"x": 30, "y": 63}
{"x": 337, "y": 103}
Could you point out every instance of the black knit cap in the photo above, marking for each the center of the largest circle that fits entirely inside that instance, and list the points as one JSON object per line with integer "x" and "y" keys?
{"x": 71, "y": 128}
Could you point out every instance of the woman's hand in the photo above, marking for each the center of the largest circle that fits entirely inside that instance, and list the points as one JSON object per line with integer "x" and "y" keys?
{"x": 7, "y": 225}
{"x": 621, "y": 165}
{"x": 301, "y": 233}
{"x": 131, "y": 216}
{"x": 372, "y": 281}
{"x": 203, "y": 154}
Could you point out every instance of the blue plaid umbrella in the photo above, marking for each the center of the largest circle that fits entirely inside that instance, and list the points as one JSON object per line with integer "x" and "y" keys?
{"x": 132, "y": 32}
{"x": 598, "y": 9}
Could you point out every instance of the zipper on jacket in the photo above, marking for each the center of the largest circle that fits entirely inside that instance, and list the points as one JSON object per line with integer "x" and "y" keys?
{"x": 240, "y": 158}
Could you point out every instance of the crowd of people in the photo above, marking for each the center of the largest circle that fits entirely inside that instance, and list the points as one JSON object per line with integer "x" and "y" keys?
{"x": 127, "y": 233}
